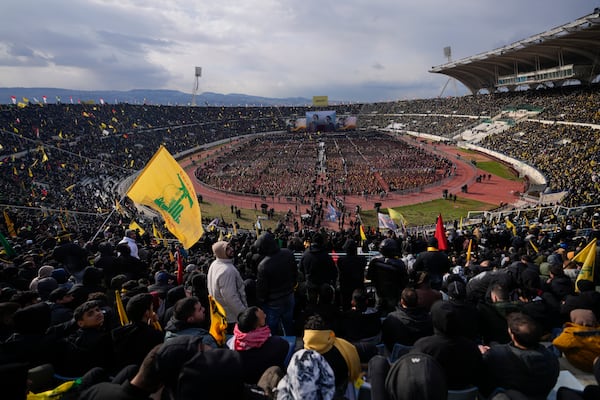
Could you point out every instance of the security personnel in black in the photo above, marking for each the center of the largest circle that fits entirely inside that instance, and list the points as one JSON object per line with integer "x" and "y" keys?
{"x": 388, "y": 275}
{"x": 433, "y": 261}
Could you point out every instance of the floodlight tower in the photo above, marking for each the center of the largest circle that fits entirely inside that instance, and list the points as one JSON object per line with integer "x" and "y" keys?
{"x": 197, "y": 75}
{"x": 448, "y": 55}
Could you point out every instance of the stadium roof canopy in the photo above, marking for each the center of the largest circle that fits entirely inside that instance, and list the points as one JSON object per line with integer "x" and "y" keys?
{"x": 570, "y": 51}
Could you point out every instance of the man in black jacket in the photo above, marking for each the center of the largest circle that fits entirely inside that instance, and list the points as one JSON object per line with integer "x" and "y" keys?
{"x": 318, "y": 267}
{"x": 58, "y": 301}
{"x": 133, "y": 341}
{"x": 277, "y": 275}
{"x": 523, "y": 364}
{"x": 433, "y": 261}
{"x": 408, "y": 323}
{"x": 389, "y": 276}
{"x": 459, "y": 356}
{"x": 90, "y": 346}
{"x": 147, "y": 381}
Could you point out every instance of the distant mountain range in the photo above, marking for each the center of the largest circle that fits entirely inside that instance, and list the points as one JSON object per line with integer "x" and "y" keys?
{"x": 141, "y": 96}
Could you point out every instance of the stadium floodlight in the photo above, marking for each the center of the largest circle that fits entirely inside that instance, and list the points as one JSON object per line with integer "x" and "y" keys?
{"x": 448, "y": 52}
{"x": 448, "y": 55}
{"x": 197, "y": 75}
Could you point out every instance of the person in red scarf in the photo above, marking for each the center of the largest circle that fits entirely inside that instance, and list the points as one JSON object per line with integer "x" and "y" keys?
{"x": 258, "y": 349}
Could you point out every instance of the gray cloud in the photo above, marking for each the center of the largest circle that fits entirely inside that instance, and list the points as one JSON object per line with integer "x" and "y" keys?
{"x": 351, "y": 50}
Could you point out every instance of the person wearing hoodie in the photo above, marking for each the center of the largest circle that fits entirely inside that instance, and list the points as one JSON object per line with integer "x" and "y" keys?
{"x": 435, "y": 262}
{"x": 277, "y": 275}
{"x": 165, "y": 311}
{"x": 587, "y": 298}
{"x": 318, "y": 267}
{"x": 459, "y": 356}
{"x": 70, "y": 256}
{"x": 352, "y": 273}
{"x": 91, "y": 283}
{"x": 388, "y": 275}
{"x": 106, "y": 260}
{"x": 225, "y": 284}
{"x": 44, "y": 272}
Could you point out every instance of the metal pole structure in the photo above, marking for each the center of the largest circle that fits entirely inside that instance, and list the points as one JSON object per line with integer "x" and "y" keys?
{"x": 197, "y": 74}
{"x": 102, "y": 226}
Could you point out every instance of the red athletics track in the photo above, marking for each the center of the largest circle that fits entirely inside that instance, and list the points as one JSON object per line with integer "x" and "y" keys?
{"x": 493, "y": 191}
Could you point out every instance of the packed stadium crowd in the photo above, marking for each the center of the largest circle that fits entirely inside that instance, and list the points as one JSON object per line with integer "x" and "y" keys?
{"x": 349, "y": 164}
{"x": 277, "y": 313}
{"x": 567, "y": 155}
{"x": 245, "y": 168}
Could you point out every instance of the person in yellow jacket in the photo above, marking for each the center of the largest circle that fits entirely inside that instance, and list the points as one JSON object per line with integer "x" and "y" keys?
{"x": 341, "y": 355}
{"x": 580, "y": 339}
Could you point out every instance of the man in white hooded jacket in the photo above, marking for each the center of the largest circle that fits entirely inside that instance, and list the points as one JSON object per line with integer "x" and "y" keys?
{"x": 225, "y": 283}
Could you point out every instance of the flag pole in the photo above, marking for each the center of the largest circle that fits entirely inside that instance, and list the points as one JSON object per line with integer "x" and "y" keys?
{"x": 102, "y": 226}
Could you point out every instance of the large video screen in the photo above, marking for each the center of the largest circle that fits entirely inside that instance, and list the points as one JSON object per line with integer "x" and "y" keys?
{"x": 347, "y": 123}
{"x": 320, "y": 121}
{"x": 296, "y": 125}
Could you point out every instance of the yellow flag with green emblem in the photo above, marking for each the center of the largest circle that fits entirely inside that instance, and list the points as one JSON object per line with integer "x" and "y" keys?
{"x": 587, "y": 256}
{"x": 165, "y": 187}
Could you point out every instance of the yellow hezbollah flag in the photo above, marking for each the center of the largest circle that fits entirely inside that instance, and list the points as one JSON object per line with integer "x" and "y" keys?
{"x": 218, "y": 320}
{"x": 164, "y": 186}
{"x": 511, "y": 226}
{"x": 136, "y": 227}
{"x": 588, "y": 257}
{"x": 397, "y": 216}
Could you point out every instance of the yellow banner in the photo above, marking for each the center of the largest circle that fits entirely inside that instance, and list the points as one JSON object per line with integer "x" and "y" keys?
{"x": 511, "y": 226}
{"x": 218, "y": 320}
{"x": 136, "y": 227}
{"x": 9, "y": 225}
{"x": 397, "y": 217}
{"x": 320, "y": 101}
{"x": 120, "y": 309}
{"x": 587, "y": 256}
{"x": 363, "y": 237}
{"x": 164, "y": 186}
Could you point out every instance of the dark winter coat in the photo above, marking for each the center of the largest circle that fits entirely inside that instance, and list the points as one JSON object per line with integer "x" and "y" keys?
{"x": 277, "y": 272}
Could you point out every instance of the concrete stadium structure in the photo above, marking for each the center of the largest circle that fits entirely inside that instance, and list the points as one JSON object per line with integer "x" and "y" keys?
{"x": 559, "y": 55}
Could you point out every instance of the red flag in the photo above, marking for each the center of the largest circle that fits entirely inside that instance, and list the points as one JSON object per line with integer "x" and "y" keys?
{"x": 440, "y": 234}
{"x": 179, "y": 268}
{"x": 335, "y": 256}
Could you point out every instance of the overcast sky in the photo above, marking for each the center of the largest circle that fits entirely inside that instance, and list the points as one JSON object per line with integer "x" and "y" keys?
{"x": 350, "y": 50}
